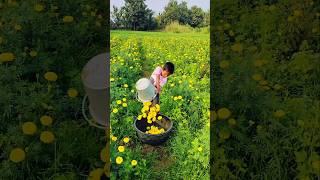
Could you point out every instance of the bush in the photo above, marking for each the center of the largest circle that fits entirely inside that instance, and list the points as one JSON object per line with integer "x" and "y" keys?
{"x": 176, "y": 27}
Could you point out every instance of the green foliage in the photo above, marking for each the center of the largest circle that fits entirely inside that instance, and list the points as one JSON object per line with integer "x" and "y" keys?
{"x": 276, "y": 115}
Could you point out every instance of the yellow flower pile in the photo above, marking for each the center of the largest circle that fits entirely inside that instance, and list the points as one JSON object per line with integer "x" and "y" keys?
{"x": 150, "y": 112}
{"x": 155, "y": 130}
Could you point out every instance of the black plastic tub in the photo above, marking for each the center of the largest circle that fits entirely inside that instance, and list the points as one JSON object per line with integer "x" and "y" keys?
{"x": 153, "y": 139}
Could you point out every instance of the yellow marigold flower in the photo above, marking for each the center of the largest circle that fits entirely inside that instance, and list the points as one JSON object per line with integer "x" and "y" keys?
{"x": 279, "y": 113}
{"x": 115, "y": 110}
{"x": 126, "y": 139}
{"x": 224, "y": 64}
{"x": 33, "y": 53}
{"x": 72, "y": 93}
{"x": 149, "y": 121}
{"x": 119, "y": 160}
{"x": 119, "y": 101}
{"x": 175, "y": 98}
{"x": 46, "y": 120}
{"x": 121, "y": 148}
{"x": 17, "y": 27}
{"x": 200, "y": 149}
{"x": 224, "y": 113}
{"x": 50, "y": 76}
{"x": 179, "y": 97}
{"x": 114, "y": 138}
{"x": 103, "y": 155}
{"x": 67, "y": 19}
{"x": 139, "y": 117}
{"x": 134, "y": 163}
{"x": 257, "y": 77}
{"x": 124, "y": 99}
{"x": 159, "y": 117}
{"x": 237, "y": 47}
{"x": 17, "y": 155}
{"x": 147, "y": 104}
{"x": 29, "y": 128}
{"x": 111, "y": 79}
{"x": 232, "y": 122}
{"x": 47, "y": 137}
{"x": 152, "y": 109}
{"x": 144, "y": 115}
{"x": 96, "y": 174}
{"x": 38, "y": 7}
{"x": 125, "y": 86}
{"x": 6, "y": 57}
{"x": 157, "y": 106}
{"x": 125, "y": 105}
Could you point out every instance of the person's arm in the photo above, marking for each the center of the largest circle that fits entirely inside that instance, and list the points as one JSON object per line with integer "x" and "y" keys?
{"x": 158, "y": 83}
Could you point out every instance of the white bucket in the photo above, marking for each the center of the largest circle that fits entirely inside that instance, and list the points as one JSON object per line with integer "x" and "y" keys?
{"x": 95, "y": 79}
{"x": 146, "y": 90}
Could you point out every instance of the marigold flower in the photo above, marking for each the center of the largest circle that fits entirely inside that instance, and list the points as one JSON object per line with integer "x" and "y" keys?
{"x": 46, "y": 120}
{"x": 67, "y": 19}
{"x": 121, "y": 148}
{"x": 224, "y": 134}
{"x": 134, "y": 163}
{"x": 17, "y": 27}
{"x": 125, "y": 105}
{"x": 119, "y": 101}
{"x": 33, "y": 53}
{"x": 279, "y": 113}
{"x": 17, "y": 155}
{"x": 124, "y": 99}
{"x": 125, "y": 86}
{"x": 29, "y": 128}
{"x": 115, "y": 110}
{"x": 50, "y": 76}
{"x": 159, "y": 117}
{"x": 224, "y": 113}
{"x": 47, "y": 137}
{"x": 126, "y": 139}
{"x": 119, "y": 160}
{"x": 6, "y": 57}
{"x": 179, "y": 97}
{"x": 175, "y": 98}
{"x": 257, "y": 77}
{"x": 114, "y": 138}
{"x": 200, "y": 149}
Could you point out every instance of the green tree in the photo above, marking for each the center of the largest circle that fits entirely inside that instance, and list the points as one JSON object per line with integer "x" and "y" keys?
{"x": 197, "y": 17}
{"x": 134, "y": 15}
{"x": 175, "y": 11}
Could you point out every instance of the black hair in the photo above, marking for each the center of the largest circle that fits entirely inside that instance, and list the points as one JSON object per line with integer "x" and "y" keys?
{"x": 169, "y": 67}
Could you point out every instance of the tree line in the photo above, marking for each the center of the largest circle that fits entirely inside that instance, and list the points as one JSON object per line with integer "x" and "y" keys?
{"x": 135, "y": 15}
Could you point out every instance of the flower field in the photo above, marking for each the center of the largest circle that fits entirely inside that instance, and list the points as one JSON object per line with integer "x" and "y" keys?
{"x": 184, "y": 99}
{"x": 266, "y": 90}
{"x": 43, "y": 48}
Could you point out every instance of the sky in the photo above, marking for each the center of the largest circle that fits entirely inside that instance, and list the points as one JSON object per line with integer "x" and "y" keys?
{"x": 158, "y": 5}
